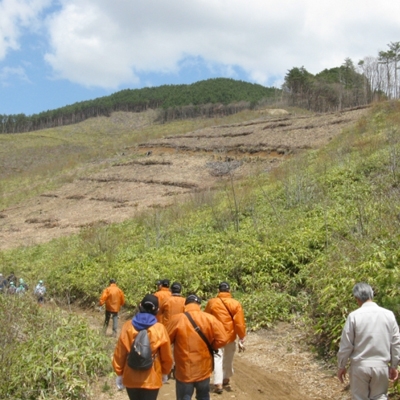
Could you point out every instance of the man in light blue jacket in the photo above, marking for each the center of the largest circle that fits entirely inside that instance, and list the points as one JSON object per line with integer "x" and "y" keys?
{"x": 371, "y": 340}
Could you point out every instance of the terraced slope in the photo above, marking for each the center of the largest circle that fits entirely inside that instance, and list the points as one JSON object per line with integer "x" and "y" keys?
{"x": 160, "y": 172}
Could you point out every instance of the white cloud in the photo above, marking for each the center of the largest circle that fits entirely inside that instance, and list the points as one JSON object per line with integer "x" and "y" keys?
{"x": 7, "y": 74}
{"x": 103, "y": 43}
{"x": 16, "y": 15}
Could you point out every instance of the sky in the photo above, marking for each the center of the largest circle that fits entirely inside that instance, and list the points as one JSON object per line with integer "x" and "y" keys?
{"x": 59, "y": 52}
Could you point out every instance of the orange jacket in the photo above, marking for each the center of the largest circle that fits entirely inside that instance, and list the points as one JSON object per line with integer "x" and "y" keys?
{"x": 193, "y": 361}
{"x": 172, "y": 306}
{"x": 160, "y": 345}
{"x": 114, "y": 298}
{"x": 233, "y": 320}
{"x": 163, "y": 294}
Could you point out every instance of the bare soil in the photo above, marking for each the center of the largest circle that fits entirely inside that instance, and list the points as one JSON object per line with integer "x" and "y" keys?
{"x": 165, "y": 171}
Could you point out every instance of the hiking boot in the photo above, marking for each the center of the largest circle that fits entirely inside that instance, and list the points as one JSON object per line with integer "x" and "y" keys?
{"x": 218, "y": 389}
{"x": 225, "y": 382}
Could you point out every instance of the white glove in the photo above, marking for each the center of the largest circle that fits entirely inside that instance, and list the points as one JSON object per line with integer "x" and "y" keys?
{"x": 119, "y": 383}
{"x": 164, "y": 378}
{"x": 241, "y": 345}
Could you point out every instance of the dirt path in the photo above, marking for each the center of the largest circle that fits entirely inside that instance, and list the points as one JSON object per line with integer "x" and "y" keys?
{"x": 277, "y": 365}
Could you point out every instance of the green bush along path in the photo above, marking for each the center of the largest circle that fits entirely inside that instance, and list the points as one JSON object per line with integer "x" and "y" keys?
{"x": 292, "y": 242}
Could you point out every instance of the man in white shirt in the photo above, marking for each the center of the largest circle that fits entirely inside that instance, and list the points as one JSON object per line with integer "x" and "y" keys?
{"x": 371, "y": 340}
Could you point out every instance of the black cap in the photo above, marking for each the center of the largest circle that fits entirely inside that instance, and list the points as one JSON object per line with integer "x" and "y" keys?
{"x": 149, "y": 304}
{"x": 176, "y": 287}
{"x": 193, "y": 298}
{"x": 224, "y": 287}
{"x": 165, "y": 282}
{"x": 112, "y": 280}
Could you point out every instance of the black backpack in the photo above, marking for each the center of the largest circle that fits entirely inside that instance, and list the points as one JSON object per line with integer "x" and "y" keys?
{"x": 140, "y": 356}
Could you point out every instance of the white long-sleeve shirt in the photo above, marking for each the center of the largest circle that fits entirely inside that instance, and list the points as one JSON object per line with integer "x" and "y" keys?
{"x": 370, "y": 338}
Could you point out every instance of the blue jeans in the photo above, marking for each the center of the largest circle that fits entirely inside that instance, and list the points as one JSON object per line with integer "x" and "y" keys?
{"x": 184, "y": 391}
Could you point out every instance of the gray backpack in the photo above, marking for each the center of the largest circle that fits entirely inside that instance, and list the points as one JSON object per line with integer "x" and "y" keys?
{"x": 140, "y": 357}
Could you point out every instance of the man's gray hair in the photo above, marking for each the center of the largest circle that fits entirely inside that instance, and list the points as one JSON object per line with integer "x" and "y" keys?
{"x": 363, "y": 292}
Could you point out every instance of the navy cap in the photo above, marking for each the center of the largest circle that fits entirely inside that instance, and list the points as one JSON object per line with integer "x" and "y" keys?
{"x": 193, "y": 298}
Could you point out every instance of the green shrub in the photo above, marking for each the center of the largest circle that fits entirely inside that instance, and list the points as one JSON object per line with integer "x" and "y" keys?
{"x": 46, "y": 353}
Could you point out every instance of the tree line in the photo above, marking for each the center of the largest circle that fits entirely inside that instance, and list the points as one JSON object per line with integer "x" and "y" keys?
{"x": 331, "y": 89}
{"x": 381, "y": 71}
{"x": 346, "y": 86}
{"x": 175, "y": 101}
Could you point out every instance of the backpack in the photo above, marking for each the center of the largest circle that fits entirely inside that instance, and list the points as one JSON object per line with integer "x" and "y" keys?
{"x": 140, "y": 357}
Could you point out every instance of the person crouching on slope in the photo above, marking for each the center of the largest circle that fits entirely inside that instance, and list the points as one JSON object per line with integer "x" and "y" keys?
{"x": 143, "y": 384}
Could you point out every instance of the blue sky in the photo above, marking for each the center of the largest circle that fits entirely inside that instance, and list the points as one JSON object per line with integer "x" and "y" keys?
{"x": 54, "y": 53}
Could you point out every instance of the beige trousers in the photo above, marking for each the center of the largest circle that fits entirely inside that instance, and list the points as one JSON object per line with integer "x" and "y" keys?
{"x": 369, "y": 383}
{"x": 223, "y": 363}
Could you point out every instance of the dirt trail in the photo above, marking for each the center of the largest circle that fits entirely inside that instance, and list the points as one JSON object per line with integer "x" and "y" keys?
{"x": 277, "y": 365}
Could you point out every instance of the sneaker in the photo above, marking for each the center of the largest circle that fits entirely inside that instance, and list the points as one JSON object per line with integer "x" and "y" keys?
{"x": 225, "y": 382}
{"x": 218, "y": 389}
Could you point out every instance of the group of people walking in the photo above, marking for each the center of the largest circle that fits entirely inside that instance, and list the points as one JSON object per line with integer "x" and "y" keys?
{"x": 194, "y": 343}
{"x": 185, "y": 341}
{"x": 14, "y": 286}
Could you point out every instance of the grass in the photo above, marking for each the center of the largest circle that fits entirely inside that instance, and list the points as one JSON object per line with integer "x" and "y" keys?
{"x": 291, "y": 241}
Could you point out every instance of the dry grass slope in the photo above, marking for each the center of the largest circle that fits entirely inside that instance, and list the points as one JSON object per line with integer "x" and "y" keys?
{"x": 110, "y": 169}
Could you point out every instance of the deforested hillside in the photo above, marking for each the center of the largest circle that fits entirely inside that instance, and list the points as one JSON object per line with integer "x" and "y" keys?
{"x": 151, "y": 174}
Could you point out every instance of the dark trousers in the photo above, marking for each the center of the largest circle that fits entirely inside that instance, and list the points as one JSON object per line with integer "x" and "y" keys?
{"x": 115, "y": 321}
{"x": 142, "y": 394}
{"x": 184, "y": 391}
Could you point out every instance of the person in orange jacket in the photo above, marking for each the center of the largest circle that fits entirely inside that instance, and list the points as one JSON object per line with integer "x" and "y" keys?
{"x": 114, "y": 298}
{"x": 193, "y": 358}
{"x": 143, "y": 385}
{"x": 162, "y": 294}
{"x": 174, "y": 304}
{"x": 230, "y": 312}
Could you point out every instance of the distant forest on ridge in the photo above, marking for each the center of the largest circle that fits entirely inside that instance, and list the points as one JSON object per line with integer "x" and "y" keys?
{"x": 332, "y": 89}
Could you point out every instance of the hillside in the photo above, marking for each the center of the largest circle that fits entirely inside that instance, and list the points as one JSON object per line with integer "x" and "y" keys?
{"x": 291, "y": 208}
{"x": 178, "y": 102}
{"x": 161, "y": 172}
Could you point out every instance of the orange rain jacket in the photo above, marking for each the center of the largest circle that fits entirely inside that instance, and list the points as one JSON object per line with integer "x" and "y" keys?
{"x": 172, "y": 306}
{"x": 233, "y": 320}
{"x": 163, "y": 294}
{"x": 160, "y": 346}
{"x": 193, "y": 361}
{"x": 114, "y": 298}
